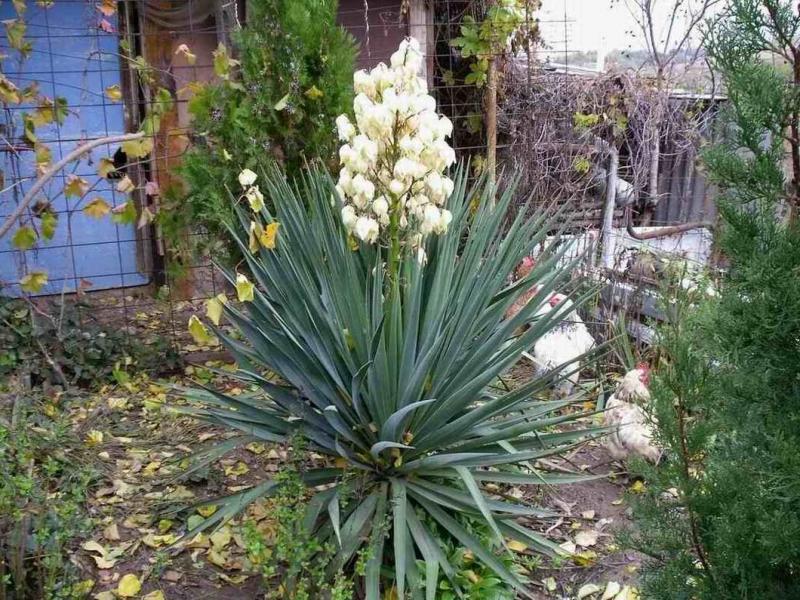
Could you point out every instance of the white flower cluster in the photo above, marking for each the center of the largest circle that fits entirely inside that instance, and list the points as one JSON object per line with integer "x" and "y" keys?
{"x": 394, "y": 155}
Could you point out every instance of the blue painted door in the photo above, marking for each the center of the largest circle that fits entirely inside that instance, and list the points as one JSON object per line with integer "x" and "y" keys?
{"x": 75, "y": 58}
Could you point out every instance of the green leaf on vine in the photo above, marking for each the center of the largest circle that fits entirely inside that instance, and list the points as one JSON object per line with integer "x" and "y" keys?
{"x": 24, "y": 238}
{"x": 33, "y": 281}
{"x": 9, "y": 93}
{"x": 138, "y": 148}
{"x": 60, "y": 109}
{"x": 43, "y": 156}
{"x": 125, "y": 185}
{"x": 15, "y": 32}
{"x": 30, "y": 93}
{"x": 151, "y": 124}
{"x": 97, "y": 208}
{"x": 29, "y": 127}
{"x": 76, "y": 186}
{"x": 184, "y": 51}
{"x": 49, "y": 223}
{"x": 222, "y": 62}
{"x": 105, "y": 167}
{"x": 49, "y": 111}
{"x": 114, "y": 93}
{"x": 124, "y": 214}
{"x": 162, "y": 101}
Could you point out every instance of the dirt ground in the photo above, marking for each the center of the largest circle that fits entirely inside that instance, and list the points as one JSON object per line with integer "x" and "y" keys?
{"x": 593, "y": 506}
{"x": 143, "y": 445}
{"x": 139, "y": 444}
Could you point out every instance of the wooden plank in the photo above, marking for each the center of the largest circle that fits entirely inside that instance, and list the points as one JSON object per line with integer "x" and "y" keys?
{"x": 420, "y": 26}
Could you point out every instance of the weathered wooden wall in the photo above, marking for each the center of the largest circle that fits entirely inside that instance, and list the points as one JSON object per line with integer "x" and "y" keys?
{"x": 378, "y": 25}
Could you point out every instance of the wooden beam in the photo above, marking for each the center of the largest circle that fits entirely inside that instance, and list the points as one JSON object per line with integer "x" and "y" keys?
{"x": 420, "y": 27}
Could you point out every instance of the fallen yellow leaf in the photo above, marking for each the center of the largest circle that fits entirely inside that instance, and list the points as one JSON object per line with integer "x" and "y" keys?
{"x": 156, "y": 541}
{"x": 83, "y": 588}
{"x": 586, "y": 538}
{"x": 612, "y": 589}
{"x": 585, "y": 558}
{"x": 638, "y": 487}
{"x": 129, "y": 586}
{"x": 240, "y": 468}
{"x": 220, "y": 538}
{"x": 111, "y": 532}
{"x": 216, "y": 558}
{"x": 256, "y": 447}
{"x": 164, "y": 525}
{"x": 587, "y": 590}
{"x": 94, "y": 437}
{"x": 207, "y": 510}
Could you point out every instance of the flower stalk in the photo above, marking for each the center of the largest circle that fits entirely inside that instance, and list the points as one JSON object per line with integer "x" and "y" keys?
{"x": 392, "y": 183}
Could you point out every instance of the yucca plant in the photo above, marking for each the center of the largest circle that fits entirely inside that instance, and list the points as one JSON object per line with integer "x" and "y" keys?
{"x": 392, "y": 379}
{"x": 375, "y": 328}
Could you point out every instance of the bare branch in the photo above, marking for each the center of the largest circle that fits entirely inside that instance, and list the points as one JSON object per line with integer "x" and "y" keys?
{"x": 53, "y": 170}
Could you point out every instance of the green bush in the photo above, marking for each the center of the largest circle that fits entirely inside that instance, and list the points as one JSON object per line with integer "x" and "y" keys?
{"x": 295, "y": 77}
{"x": 42, "y": 508}
{"x": 389, "y": 377}
{"x": 721, "y": 519}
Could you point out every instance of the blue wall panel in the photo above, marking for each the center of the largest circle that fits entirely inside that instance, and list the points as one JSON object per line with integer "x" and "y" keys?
{"x": 73, "y": 58}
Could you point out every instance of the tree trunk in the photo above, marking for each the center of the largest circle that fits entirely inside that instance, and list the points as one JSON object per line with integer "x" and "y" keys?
{"x": 794, "y": 142}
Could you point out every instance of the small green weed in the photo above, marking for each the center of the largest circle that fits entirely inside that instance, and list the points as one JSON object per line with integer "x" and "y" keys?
{"x": 293, "y": 563}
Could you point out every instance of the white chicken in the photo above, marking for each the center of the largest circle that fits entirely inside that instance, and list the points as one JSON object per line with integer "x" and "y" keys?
{"x": 563, "y": 344}
{"x": 633, "y": 431}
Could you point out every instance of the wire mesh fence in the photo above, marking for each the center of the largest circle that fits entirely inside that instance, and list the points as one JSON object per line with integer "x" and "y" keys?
{"x": 118, "y": 269}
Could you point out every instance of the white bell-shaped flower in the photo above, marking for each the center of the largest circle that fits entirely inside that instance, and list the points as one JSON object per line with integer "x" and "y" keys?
{"x": 344, "y": 128}
{"x": 367, "y": 229}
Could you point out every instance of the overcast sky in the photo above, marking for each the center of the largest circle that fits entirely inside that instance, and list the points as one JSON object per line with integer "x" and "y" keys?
{"x": 593, "y": 24}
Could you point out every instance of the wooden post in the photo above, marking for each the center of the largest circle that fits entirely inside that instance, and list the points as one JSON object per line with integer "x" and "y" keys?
{"x": 490, "y": 106}
{"x": 491, "y": 119}
{"x": 608, "y": 240}
{"x": 420, "y": 27}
